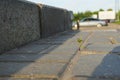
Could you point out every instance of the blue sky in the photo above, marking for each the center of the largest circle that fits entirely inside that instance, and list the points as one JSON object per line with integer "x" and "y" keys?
{"x": 79, "y": 5}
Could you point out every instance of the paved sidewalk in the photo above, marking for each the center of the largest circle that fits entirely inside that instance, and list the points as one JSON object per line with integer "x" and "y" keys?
{"x": 45, "y": 59}
{"x": 100, "y": 59}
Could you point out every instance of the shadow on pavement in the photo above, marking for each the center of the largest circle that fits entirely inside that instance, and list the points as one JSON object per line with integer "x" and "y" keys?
{"x": 45, "y": 57}
{"x": 108, "y": 67}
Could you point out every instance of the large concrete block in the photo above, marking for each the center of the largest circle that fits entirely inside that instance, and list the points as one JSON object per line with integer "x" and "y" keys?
{"x": 19, "y": 23}
{"x": 53, "y": 20}
{"x": 68, "y": 20}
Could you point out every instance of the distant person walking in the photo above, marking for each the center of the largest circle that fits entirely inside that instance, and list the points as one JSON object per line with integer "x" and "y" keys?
{"x": 78, "y": 25}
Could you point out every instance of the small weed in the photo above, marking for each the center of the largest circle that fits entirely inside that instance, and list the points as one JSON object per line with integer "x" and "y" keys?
{"x": 80, "y": 41}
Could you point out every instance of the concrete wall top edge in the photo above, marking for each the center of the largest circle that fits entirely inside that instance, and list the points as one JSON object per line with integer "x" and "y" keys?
{"x": 44, "y": 5}
{"x": 29, "y": 2}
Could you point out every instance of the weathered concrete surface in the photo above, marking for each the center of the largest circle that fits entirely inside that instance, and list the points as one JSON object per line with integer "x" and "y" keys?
{"x": 19, "y": 23}
{"x": 40, "y": 60}
{"x": 54, "y": 57}
{"x": 22, "y": 79}
{"x": 82, "y": 78}
{"x": 54, "y": 20}
{"x": 30, "y": 48}
{"x": 104, "y": 47}
{"x": 16, "y": 79}
{"x": 23, "y": 22}
{"x": 49, "y": 69}
{"x": 104, "y": 41}
{"x": 104, "y": 62}
{"x": 99, "y": 66}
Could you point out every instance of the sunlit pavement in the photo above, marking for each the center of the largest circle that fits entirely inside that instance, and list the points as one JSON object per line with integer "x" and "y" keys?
{"x": 58, "y": 58}
{"x": 100, "y": 58}
{"x": 45, "y": 59}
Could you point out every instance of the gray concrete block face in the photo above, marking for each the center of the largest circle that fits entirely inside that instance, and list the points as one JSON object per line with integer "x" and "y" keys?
{"x": 23, "y": 22}
{"x": 53, "y": 20}
{"x": 19, "y": 23}
{"x": 68, "y": 20}
{"x": 26, "y": 68}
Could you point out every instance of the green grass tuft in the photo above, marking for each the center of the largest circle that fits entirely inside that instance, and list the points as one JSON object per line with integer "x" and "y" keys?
{"x": 79, "y": 40}
{"x": 117, "y": 22}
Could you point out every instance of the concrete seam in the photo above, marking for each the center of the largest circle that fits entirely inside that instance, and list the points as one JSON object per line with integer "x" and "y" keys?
{"x": 32, "y": 76}
{"x": 67, "y": 75}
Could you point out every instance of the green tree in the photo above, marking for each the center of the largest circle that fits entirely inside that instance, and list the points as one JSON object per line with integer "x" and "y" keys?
{"x": 81, "y": 15}
{"x": 95, "y": 12}
{"x": 110, "y": 9}
{"x": 101, "y": 9}
{"x": 76, "y": 16}
{"x": 118, "y": 15}
{"x": 88, "y": 14}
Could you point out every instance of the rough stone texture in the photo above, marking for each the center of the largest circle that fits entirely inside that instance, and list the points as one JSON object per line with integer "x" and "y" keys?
{"x": 19, "y": 23}
{"x": 54, "y": 20}
{"x": 23, "y": 22}
{"x": 68, "y": 20}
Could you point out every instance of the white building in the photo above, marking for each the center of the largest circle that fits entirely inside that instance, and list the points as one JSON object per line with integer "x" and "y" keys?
{"x": 107, "y": 15}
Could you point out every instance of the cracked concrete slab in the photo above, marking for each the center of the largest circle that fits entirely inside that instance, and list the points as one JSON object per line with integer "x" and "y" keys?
{"x": 46, "y": 69}
{"x": 22, "y": 79}
{"x": 98, "y": 65}
{"x": 86, "y": 78}
{"x": 106, "y": 47}
{"x": 63, "y": 49}
{"x": 43, "y": 60}
{"x": 35, "y": 58}
{"x": 30, "y": 48}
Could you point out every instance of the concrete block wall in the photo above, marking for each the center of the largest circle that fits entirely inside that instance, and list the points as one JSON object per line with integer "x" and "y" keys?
{"x": 53, "y": 20}
{"x": 68, "y": 20}
{"x": 19, "y": 23}
{"x": 22, "y": 22}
